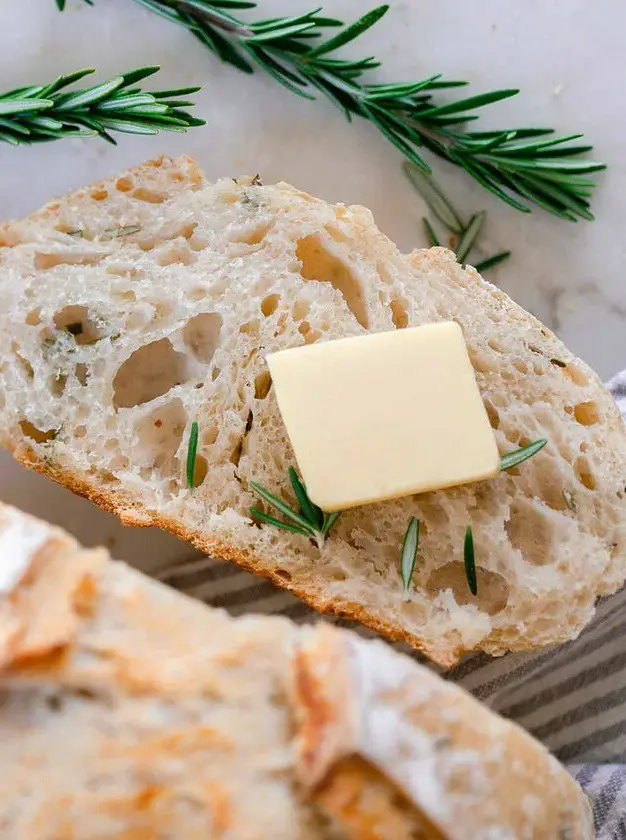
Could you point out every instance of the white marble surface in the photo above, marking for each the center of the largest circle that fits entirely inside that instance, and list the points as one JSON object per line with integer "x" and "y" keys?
{"x": 565, "y": 55}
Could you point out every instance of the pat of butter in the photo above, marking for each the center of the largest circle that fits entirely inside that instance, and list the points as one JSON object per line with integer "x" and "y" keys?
{"x": 380, "y": 416}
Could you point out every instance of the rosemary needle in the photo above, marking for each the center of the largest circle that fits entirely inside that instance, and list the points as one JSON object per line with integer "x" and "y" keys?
{"x": 191, "y": 454}
{"x": 470, "y": 561}
{"x": 433, "y": 196}
{"x": 492, "y": 262}
{"x": 409, "y": 554}
{"x": 518, "y": 456}
{"x": 431, "y": 236}
{"x": 469, "y": 236}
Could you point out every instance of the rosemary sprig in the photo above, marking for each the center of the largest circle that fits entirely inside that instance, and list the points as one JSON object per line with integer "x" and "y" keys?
{"x": 518, "y": 456}
{"x": 442, "y": 208}
{"x": 41, "y": 113}
{"x": 469, "y": 560}
{"x": 492, "y": 262}
{"x": 310, "y": 521}
{"x": 409, "y": 554}
{"x": 191, "y": 454}
{"x": 519, "y": 166}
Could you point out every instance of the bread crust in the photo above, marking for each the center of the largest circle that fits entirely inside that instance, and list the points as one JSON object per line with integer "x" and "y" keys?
{"x": 168, "y": 737}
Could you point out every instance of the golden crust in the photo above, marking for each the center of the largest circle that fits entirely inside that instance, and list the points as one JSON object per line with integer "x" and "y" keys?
{"x": 139, "y": 712}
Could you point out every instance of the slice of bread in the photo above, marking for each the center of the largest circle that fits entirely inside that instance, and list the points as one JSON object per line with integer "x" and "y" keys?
{"x": 130, "y": 711}
{"x": 132, "y": 308}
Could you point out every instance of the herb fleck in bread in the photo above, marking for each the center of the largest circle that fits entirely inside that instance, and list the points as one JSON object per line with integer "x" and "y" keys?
{"x": 132, "y": 308}
{"x": 130, "y": 711}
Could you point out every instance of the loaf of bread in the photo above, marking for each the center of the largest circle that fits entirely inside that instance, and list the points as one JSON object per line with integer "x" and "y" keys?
{"x": 130, "y": 309}
{"x": 129, "y": 711}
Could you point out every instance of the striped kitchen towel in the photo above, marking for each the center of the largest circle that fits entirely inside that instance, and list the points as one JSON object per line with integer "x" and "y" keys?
{"x": 573, "y": 698}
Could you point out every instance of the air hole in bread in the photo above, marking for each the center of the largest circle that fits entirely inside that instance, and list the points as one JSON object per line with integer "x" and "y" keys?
{"x": 492, "y": 413}
{"x": 511, "y": 433}
{"x": 150, "y": 196}
{"x": 336, "y": 233}
{"x": 148, "y": 243}
{"x": 283, "y": 574}
{"x": 80, "y": 431}
{"x": 312, "y": 336}
{"x": 320, "y": 265}
{"x": 198, "y": 243}
{"x": 124, "y": 295}
{"x": 520, "y": 365}
{"x": 584, "y": 473}
{"x": 201, "y": 335}
{"x": 124, "y": 184}
{"x": 198, "y": 293}
{"x": 99, "y": 195}
{"x": 262, "y": 384}
{"x": 575, "y": 374}
{"x": 300, "y": 309}
{"x": 251, "y": 328}
{"x": 269, "y": 305}
{"x": 586, "y": 413}
{"x": 149, "y": 372}
{"x": 123, "y": 270}
{"x": 9, "y": 238}
{"x": 235, "y": 456}
{"x": 57, "y": 384}
{"x": 24, "y": 365}
{"x": 304, "y": 328}
{"x": 383, "y": 272}
{"x": 81, "y": 371}
{"x": 160, "y": 434}
{"x": 495, "y": 345}
{"x": 254, "y": 236}
{"x": 200, "y": 470}
{"x": 530, "y": 531}
{"x": 493, "y": 590}
{"x": 176, "y": 230}
{"x": 33, "y": 318}
{"x": 480, "y": 362}
{"x": 215, "y": 373}
{"x": 210, "y": 435}
{"x": 44, "y": 260}
{"x": 177, "y": 254}
{"x": 75, "y": 321}
{"x": 399, "y": 313}
{"x": 38, "y": 435}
